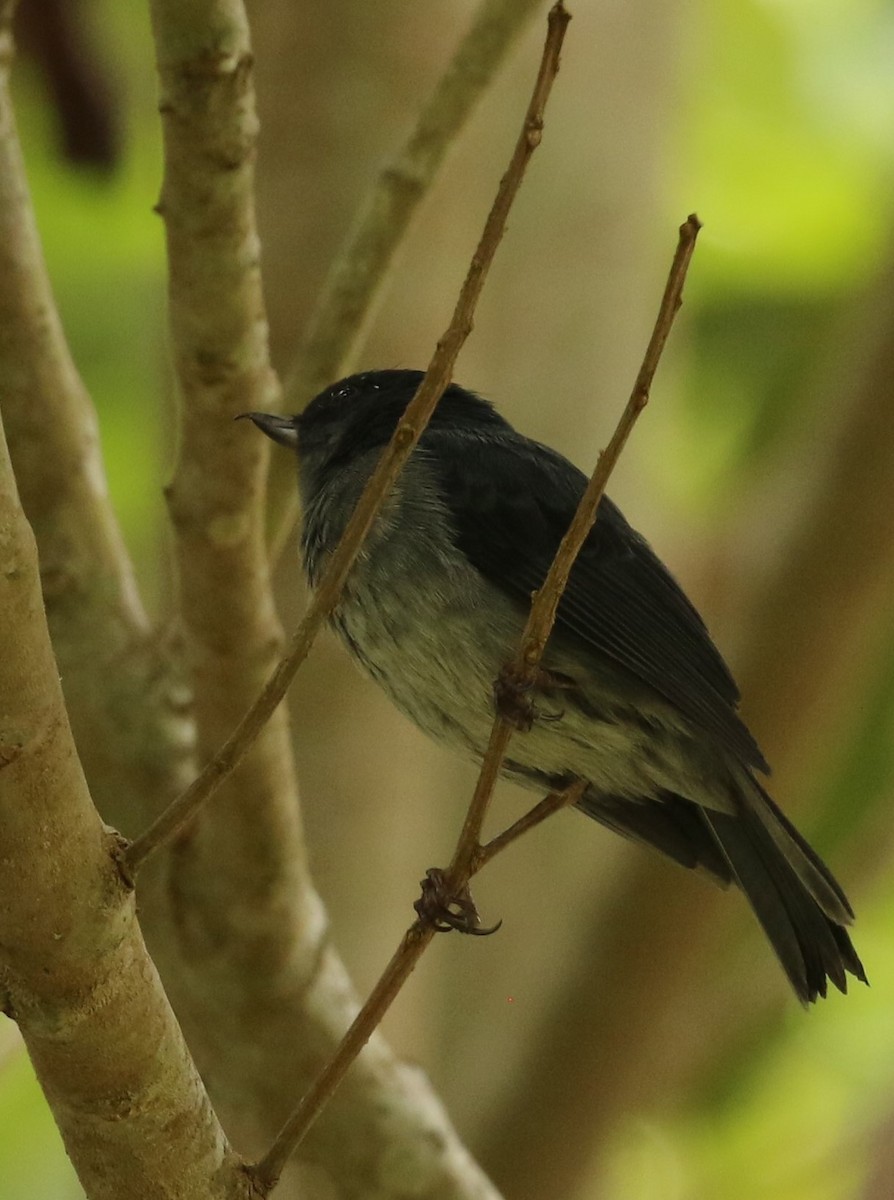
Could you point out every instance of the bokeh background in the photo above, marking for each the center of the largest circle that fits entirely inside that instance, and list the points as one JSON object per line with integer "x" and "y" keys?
{"x": 627, "y": 1035}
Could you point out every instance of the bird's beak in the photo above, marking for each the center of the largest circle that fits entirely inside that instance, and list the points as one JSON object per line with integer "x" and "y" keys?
{"x": 280, "y": 429}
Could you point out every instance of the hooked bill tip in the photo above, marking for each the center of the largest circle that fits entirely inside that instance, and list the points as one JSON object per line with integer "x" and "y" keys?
{"x": 279, "y": 429}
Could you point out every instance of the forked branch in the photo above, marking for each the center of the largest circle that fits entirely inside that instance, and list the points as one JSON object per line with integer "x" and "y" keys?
{"x": 470, "y": 856}
{"x": 521, "y": 674}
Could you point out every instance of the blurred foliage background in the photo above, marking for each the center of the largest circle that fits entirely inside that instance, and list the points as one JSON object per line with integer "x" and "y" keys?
{"x": 627, "y": 1035}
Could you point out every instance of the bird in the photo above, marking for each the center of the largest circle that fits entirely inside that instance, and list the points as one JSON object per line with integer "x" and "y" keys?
{"x": 634, "y": 698}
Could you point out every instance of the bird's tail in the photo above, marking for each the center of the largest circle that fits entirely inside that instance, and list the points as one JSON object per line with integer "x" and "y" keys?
{"x": 797, "y": 900}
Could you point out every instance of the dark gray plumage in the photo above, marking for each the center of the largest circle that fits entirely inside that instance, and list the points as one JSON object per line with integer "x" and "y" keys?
{"x": 641, "y": 704}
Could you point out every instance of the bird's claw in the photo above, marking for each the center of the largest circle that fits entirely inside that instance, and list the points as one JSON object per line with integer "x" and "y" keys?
{"x": 512, "y": 697}
{"x": 444, "y": 908}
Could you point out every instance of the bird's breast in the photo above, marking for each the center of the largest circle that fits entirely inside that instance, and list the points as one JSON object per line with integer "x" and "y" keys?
{"x": 421, "y": 620}
{"x": 425, "y": 626}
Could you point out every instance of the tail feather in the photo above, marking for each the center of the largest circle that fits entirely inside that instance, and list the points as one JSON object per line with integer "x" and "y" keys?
{"x": 816, "y": 876}
{"x": 670, "y": 824}
{"x": 849, "y": 955}
{"x": 794, "y": 895}
{"x": 811, "y": 945}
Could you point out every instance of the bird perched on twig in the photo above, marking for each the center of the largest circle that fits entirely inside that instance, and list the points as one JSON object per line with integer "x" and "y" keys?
{"x": 634, "y": 697}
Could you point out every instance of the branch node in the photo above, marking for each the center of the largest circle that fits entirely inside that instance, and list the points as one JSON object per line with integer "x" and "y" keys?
{"x": 9, "y": 752}
{"x": 534, "y": 132}
{"x": 259, "y": 1187}
{"x": 118, "y": 846}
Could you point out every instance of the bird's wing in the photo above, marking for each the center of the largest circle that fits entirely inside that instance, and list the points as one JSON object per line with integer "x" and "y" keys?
{"x": 512, "y": 500}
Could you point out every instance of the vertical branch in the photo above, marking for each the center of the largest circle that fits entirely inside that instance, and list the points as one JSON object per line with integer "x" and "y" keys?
{"x": 125, "y": 718}
{"x": 178, "y": 815}
{"x": 219, "y": 337}
{"x": 240, "y": 879}
{"x": 246, "y": 870}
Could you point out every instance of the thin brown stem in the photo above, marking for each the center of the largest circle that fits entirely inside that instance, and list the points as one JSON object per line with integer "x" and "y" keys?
{"x": 412, "y": 946}
{"x": 356, "y": 280}
{"x": 546, "y": 602}
{"x": 535, "y": 816}
{"x": 470, "y": 856}
{"x": 522, "y": 672}
{"x": 414, "y": 942}
{"x": 409, "y": 430}
{"x": 470, "y": 835}
{"x": 408, "y": 953}
{"x": 420, "y": 933}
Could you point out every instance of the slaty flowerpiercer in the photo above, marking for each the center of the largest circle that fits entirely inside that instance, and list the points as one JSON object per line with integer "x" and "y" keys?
{"x": 641, "y": 705}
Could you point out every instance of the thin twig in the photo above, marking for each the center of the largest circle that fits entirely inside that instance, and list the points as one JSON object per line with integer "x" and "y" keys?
{"x": 470, "y": 856}
{"x": 357, "y": 277}
{"x": 535, "y": 816}
{"x": 360, "y": 270}
{"x": 415, "y": 940}
{"x": 395, "y": 975}
{"x": 543, "y": 613}
{"x": 410, "y": 429}
{"x": 523, "y": 672}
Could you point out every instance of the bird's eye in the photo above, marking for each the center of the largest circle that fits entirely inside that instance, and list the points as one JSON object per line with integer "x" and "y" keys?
{"x": 342, "y": 392}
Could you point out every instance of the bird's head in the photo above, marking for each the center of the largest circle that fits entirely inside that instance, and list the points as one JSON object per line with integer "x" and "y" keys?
{"x": 359, "y": 414}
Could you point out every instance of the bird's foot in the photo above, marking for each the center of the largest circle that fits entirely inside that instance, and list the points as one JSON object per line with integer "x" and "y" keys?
{"x": 512, "y": 695}
{"x": 445, "y": 908}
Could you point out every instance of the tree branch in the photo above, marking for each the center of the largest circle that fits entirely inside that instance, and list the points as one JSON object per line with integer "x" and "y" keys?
{"x": 358, "y": 275}
{"x": 75, "y": 972}
{"x": 405, "y": 438}
{"x": 470, "y": 855}
{"x": 241, "y": 878}
{"x": 522, "y": 674}
{"x": 108, "y": 656}
{"x": 76, "y": 975}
